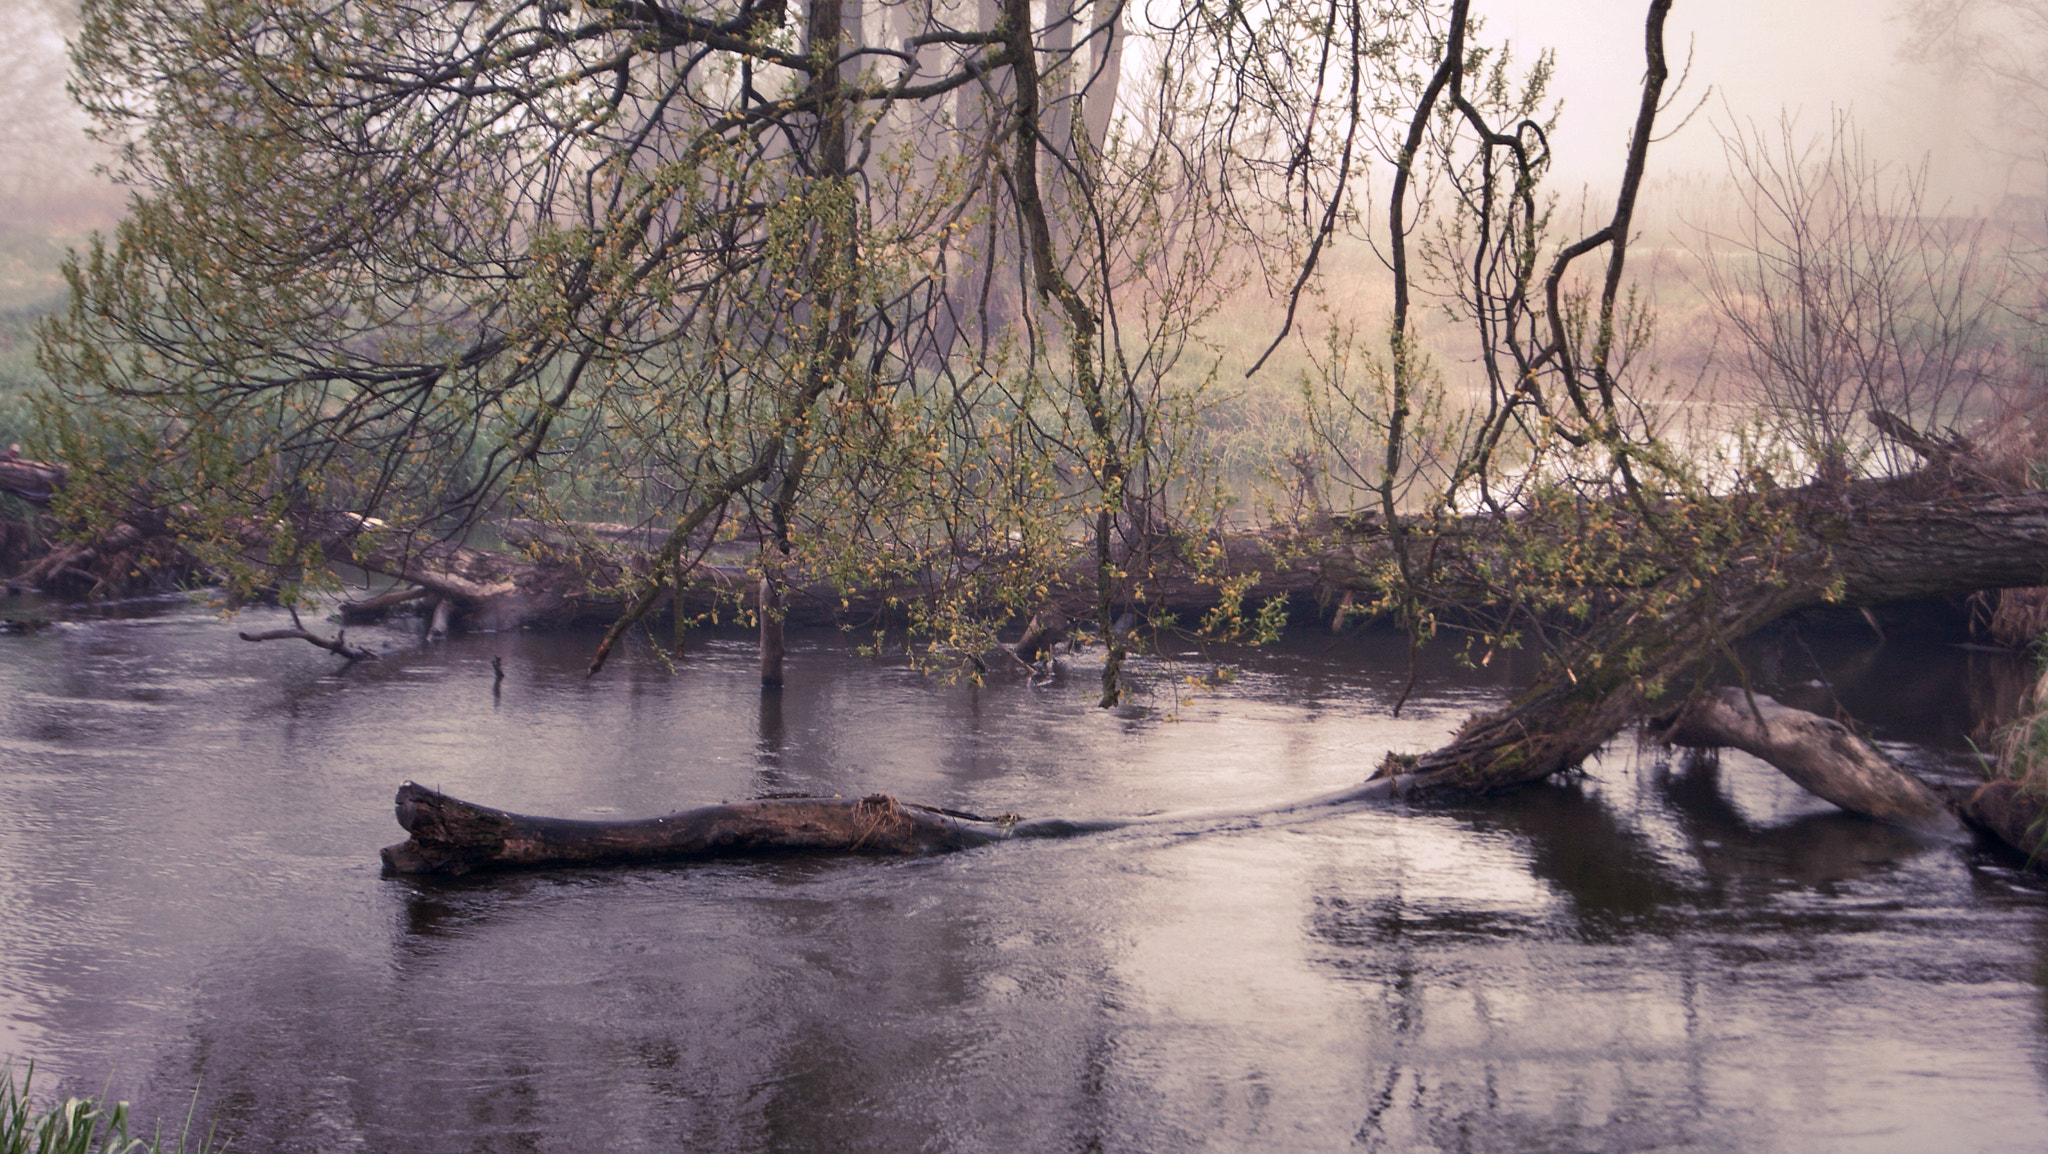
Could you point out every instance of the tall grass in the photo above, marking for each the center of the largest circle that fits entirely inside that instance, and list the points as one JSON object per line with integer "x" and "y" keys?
{"x": 77, "y": 1126}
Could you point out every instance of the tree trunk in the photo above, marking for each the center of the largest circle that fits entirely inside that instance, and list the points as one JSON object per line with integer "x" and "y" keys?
{"x": 1105, "y": 75}
{"x": 450, "y": 836}
{"x": 1823, "y": 756}
{"x": 1861, "y": 544}
{"x": 375, "y": 608}
{"x": 2008, "y": 810}
{"x": 769, "y": 609}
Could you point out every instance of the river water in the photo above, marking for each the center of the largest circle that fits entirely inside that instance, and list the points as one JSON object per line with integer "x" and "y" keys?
{"x": 1655, "y": 955}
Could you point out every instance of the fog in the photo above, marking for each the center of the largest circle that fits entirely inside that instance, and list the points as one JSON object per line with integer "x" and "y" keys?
{"x": 1750, "y": 62}
{"x": 47, "y": 164}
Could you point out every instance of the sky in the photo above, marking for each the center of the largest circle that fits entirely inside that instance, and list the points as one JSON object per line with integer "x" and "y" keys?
{"x": 1754, "y": 60}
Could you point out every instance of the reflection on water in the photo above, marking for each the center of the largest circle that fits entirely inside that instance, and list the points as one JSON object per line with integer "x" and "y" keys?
{"x": 1658, "y": 954}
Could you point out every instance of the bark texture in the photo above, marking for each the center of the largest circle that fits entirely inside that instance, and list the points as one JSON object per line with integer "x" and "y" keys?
{"x": 2007, "y": 810}
{"x": 32, "y": 481}
{"x": 1822, "y": 755}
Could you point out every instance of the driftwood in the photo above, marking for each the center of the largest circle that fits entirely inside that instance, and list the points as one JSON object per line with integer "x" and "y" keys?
{"x": 337, "y": 644}
{"x": 1823, "y": 756}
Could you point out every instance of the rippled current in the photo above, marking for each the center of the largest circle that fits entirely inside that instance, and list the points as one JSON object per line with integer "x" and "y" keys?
{"x": 1655, "y": 955}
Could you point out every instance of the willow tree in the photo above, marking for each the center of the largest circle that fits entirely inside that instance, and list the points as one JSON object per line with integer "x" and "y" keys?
{"x": 874, "y": 287}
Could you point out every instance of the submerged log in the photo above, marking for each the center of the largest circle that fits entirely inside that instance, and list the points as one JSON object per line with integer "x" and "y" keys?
{"x": 450, "y": 836}
{"x": 1822, "y": 755}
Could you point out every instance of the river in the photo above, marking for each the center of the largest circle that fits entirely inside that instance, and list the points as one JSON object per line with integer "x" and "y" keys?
{"x": 1656, "y": 954}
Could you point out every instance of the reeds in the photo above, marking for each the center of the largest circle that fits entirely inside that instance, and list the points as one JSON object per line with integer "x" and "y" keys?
{"x": 77, "y": 1125}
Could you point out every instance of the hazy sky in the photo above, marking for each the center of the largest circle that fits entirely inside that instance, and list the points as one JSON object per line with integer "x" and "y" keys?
{"x": 1759, "y": 57}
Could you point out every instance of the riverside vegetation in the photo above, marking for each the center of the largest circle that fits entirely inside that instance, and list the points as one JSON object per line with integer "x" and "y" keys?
{"x": 742, "y": 307}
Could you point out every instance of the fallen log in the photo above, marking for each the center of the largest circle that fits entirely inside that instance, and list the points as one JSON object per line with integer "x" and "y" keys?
{"x": 1822, "y": 755}
{"x": 1865, "y": 543}
{"x": 455, "y": 837}
{"x": 451, "y": 836}
{"x": 32, "y": 481}
{"x": 2007, "y": 810}
{"x": 371, "y": 609}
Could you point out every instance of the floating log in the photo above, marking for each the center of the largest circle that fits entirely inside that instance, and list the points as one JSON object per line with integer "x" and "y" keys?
{"x": 1822, "y": 755}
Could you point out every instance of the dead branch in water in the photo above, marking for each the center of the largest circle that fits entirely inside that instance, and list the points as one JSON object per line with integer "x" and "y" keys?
{"x": 337, "y": 645}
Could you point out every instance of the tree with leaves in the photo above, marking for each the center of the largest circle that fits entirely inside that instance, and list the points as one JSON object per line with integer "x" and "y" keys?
{"x": 844, "y": 283}
{"x": 870, "y": 307}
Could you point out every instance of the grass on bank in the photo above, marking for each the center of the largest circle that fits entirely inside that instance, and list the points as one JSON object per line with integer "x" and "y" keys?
{"x": 78, "y": 1126}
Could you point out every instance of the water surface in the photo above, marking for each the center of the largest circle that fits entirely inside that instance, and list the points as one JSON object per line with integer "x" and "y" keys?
{"x": 1655, "y": 954}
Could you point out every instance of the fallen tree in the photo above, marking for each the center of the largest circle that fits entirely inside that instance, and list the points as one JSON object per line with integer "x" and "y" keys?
{"x": 1824, "y": 756}
{"x": 2012, "y": 812}
{"x": 1856, "y": 544}
{"x": 451, "y": 836}
{"x": 32, "y": 481}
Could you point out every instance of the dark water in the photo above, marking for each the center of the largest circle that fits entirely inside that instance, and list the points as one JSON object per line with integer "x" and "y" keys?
{"x": 1654, "y": 956}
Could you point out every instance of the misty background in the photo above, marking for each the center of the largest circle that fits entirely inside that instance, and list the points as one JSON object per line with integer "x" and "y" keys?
{"x": 1948, "y": 84}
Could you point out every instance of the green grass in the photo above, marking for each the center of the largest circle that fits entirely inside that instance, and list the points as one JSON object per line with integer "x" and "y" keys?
{"x": 77, "y": 1126}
